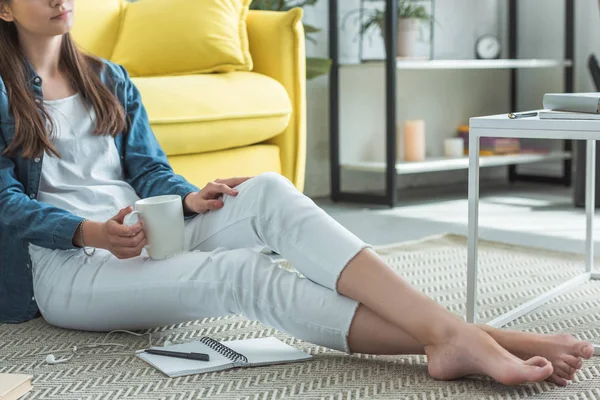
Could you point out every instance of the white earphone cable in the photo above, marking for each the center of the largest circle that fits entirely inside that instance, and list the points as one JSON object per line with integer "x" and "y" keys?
{"x": 50, "y": 357}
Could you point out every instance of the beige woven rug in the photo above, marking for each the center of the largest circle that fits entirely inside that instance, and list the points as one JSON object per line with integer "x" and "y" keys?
{"x": 436, "y": 265}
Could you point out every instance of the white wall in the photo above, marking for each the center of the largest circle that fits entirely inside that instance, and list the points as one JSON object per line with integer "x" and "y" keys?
{"x": 444, "y": 99}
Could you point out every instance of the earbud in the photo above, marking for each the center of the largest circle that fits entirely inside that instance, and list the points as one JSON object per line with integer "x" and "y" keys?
{"x": 50, "y": 359}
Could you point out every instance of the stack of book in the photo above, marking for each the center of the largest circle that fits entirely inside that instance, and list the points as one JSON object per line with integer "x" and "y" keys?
{"x": 489, "y": 146}
{"x": 14, "y": 386}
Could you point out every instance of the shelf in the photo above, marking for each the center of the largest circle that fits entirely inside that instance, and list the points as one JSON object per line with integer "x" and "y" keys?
{"x": 469, "y": 64}
{"x": 447, "y": 164}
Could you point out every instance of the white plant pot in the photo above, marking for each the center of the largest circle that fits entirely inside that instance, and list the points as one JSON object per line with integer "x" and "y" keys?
{"x": 408, "y": 37}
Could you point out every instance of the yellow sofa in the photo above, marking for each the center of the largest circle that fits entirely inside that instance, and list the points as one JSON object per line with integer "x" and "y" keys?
{"x": 223, "y": 124}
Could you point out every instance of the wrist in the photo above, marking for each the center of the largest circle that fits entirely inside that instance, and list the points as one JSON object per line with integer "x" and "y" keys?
{"x": 188, "y": 203}
{"x": 94, "y": 234}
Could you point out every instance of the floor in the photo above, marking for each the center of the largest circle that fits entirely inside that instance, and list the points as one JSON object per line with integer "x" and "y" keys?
{"x": 526, "y": 214}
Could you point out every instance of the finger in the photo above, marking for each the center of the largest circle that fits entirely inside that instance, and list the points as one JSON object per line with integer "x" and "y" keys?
{"x": 122, "y": 213}
{"x": 220, "y": 188}
{"x": 138, "y": 239}
{"x": 233, "y": 182}
{"x": 125, "y": 231}
{"x": 140, "y": 247}
{"x": 130, "y": 252}
{"x": 211, "y": 205}
{"x": 130, "y": 242}
{"x": 129, "y": 231}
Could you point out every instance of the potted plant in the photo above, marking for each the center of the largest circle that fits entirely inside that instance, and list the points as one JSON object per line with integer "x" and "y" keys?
{"x": 411, "y": 16}
{"x": 314, "y": 66}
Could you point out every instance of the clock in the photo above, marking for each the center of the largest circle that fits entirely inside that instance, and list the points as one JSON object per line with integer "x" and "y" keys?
{"x": 488, "y": 47}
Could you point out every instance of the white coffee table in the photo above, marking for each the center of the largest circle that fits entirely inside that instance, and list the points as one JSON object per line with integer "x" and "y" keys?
{"x": 532, "y": 127}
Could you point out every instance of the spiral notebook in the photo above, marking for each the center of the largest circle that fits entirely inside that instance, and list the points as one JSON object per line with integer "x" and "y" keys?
{"x": 224, "y": 355}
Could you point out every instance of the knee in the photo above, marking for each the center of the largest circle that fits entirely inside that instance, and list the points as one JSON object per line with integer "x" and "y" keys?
{"x": 272, "y": 180}
{"x": 267, "y": 185}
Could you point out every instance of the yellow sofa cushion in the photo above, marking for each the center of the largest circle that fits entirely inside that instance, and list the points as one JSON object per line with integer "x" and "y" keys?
{"x": 208, "y": 112}
{"x": 200, "y": 169}
{"x": 96, "y": 25}
{"x": 173, "y": 37}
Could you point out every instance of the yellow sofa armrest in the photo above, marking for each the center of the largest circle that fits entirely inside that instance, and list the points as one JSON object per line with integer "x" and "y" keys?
{"x": 278, "y": 50}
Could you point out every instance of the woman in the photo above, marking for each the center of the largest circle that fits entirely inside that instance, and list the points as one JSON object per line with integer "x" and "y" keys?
{"x": 77, "y": 149}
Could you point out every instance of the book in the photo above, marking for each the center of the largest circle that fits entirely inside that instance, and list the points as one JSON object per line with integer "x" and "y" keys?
{"x": 13, "y": 386}
{"x": 549, "y": 114}
{"x": 224, "y": 355}
{"x": 573, "y": 102}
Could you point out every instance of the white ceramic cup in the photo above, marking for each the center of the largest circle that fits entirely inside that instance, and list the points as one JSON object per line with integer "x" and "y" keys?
{"x": 164, "y": 226}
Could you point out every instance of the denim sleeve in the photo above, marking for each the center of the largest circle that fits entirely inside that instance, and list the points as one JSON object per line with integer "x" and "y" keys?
{"x": 29, "y": 220}
{"x": 147, "y": 168}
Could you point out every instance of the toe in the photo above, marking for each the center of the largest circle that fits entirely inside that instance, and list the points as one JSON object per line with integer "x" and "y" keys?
{"x": 537, "y": 362}
{"x": 586, "y": 350}
{"x": 572, "y": 361}
{"x": 559, "y": 381}
{"x": 540, "y": 369}
{"x": 562, "y": 373}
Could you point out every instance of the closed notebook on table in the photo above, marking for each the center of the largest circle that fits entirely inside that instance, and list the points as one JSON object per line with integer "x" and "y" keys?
{"x": 573, "y": 102}
{"x": 13, "y": 386}
{"x": 224, "y": 355}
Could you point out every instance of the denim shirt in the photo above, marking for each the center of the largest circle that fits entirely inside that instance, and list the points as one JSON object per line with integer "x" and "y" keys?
{"x": 25, "y": 220}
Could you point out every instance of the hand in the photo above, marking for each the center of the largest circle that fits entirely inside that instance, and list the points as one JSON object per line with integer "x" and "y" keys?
{"x": 209, "y": 198}
{"x": 121, "y": 240}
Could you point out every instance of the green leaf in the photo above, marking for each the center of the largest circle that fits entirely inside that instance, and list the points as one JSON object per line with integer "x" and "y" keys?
{"x": 317, "y": 67}
{"x": 311, "y": 39}
{"x": 311, "y": 29}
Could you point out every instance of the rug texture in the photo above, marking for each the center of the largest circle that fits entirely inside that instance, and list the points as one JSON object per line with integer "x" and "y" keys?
{"x": 509, "y": 275}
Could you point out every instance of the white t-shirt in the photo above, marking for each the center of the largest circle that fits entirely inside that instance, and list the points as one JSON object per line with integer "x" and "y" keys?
{"x": 87, "y": 179}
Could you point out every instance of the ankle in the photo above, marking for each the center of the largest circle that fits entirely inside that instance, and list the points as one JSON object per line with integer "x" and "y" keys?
{"x": 445, "y": 332}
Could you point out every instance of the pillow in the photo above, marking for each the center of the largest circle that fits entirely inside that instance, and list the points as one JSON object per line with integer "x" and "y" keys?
{"x": 176, "y": 37}
{"x": 96, "y": 26}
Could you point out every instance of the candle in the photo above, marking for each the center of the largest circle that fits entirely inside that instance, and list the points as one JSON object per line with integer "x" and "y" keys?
{"x": 454, "y": 147}
{"x": 414, "y": 140}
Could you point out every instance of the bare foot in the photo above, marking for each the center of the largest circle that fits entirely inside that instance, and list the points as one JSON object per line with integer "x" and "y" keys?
{"x": 474, "y": 352}
{"x": 564, "y": 352}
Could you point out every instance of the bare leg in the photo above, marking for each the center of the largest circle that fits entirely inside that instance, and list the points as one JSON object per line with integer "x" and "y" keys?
{"x": 454, "y": 348}
{"x": 371, "y": 334}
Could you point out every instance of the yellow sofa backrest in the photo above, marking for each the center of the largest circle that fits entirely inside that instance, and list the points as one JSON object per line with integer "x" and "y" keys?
{"x": 97, "y": 25}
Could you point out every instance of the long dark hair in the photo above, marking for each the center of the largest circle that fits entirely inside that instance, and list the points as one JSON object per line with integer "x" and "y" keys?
{"x": 32, "y": 123}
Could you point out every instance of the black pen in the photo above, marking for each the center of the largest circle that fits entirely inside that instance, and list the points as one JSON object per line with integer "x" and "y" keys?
{"x": 522, "y": 115}
{"x": 189, "y": 356}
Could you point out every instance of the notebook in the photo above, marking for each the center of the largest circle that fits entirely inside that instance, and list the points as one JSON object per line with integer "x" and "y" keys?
{"x": 13, "y": 386}
{"x": 224, "y": 355}
{"x": 573, "y": 102}
{"x": 548, "y": 114}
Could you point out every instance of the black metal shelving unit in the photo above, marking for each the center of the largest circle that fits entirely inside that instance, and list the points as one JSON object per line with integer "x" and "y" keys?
{"x": 389, "y": 197}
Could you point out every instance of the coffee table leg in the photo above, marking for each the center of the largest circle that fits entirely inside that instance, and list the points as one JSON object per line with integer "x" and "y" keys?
{"x": 590, "y": 200}
{"x": 473, "y": 230}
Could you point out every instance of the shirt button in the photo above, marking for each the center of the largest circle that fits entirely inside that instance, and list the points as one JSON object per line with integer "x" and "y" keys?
{"x": 37, "y": 80}
{"x": 33, "y": 298}
{"x": 32, "y": 195}
{"x": 37, "y": 159}
{"x": 28, "y": 265}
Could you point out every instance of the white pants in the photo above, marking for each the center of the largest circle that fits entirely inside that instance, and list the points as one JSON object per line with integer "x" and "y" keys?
{"x": 221, "y": 273}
